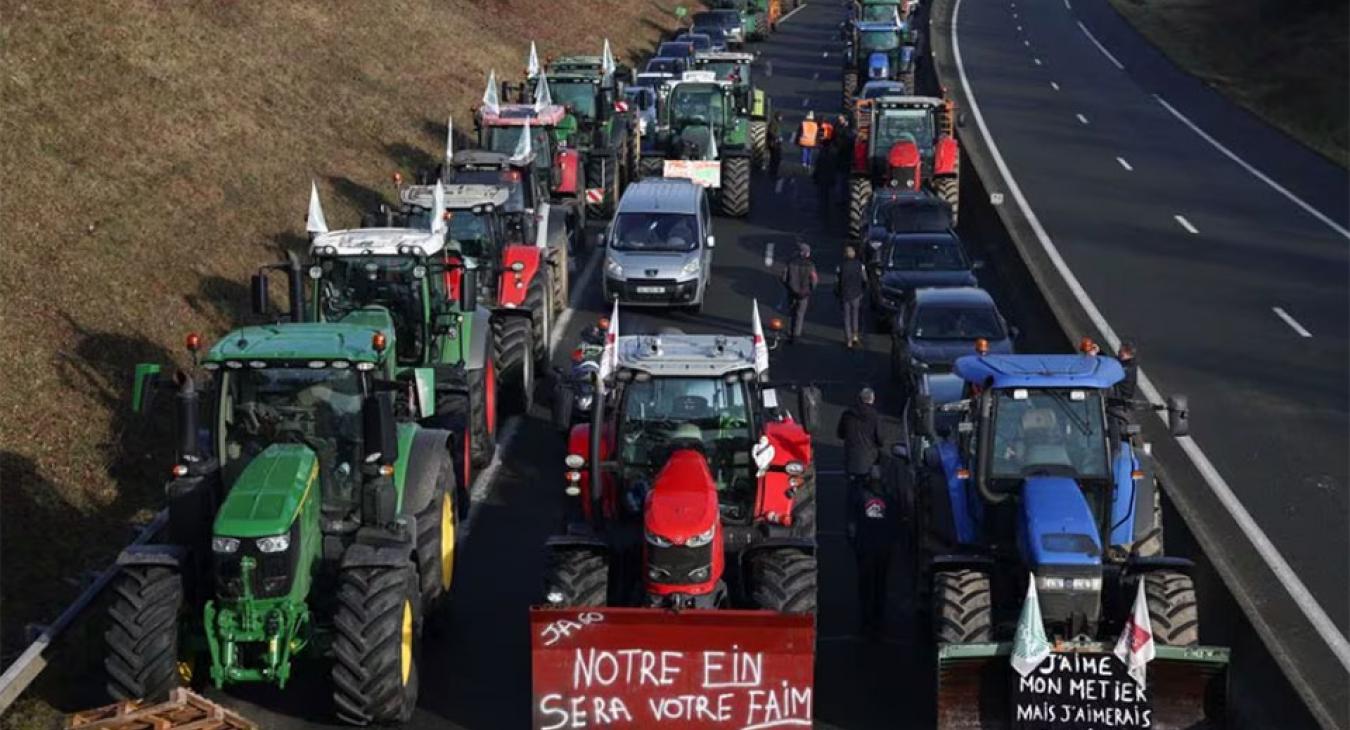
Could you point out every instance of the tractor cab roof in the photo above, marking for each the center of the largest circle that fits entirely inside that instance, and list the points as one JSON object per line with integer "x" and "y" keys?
{"x": 1040, "y": 371}
{"x": 908, "y": 102}
{"x": 687, "y": 356}
{"x": 378, "y": 241}
{"x": 576, "y": 65}
{"x": 517, "y": 115}
{"x": 486, "y": 160}
{"x": 299, "y": 344}
{"x": 724, "y": 56}
{"x": 457, "y": 197}
{"x": 874, "y": 26}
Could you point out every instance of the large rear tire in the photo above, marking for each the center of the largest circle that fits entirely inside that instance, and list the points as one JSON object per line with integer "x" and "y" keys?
{"x": 759, "y": 144}
{"x": 599, "y": 170}
{"x": 736, "y": 186}
{"x": 850, "y": 88}
{"x": 559, "y": 278}
{"x": 436, "y": 523}
{"x": 576, "y": 577}
{"x": 141, "y": 641}
{"x": 1151, "y": 545}
{"x": 962, "y": 607}
{"x": 513, "y": 348}
{"x": 859, "y": 198}
{"x": 949, "y": 189}
{"x": 377, "y": 644}
{"x": 538, "y": 303}
{"x": 804, "y": 505}
{"x": 783, "y": 580}
{"x": 1172, "y": 608}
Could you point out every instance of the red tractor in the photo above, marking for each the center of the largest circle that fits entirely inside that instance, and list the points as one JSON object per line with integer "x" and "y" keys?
{"x": 692, "y": 487}
{"x": 905, "y": 142}
{"x": 559, "y": 166}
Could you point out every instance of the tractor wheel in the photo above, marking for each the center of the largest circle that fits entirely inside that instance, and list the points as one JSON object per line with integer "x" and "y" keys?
{"x": 859, "y": 197}
{"x": 576, "y": 578}
{"x": 436, "y": 524}
{"x": 783, "y": 580}
{"x": 1172, "y": 608}
{"x": 538, "y": 302}
{"x": 634, "y": 154}
{"x": 850, "y": 88}
{"x": 142, "y": 637}
{"x": 652, "y": 167}
{"x": 949, "y": 189}
{"x": 598, "y": 170}
{"x": 559, "y": 279}
{"x": 759, "y": 144}
{"x": 736, "y": 186}
{"x": 804, "y": 505}
{"x": 512, "y": 347}
{"x": 482, "y": 428}
{"x": 1151, "y": 544}
{"x": 962, "y": 610}
{"x": 377, "y": 644}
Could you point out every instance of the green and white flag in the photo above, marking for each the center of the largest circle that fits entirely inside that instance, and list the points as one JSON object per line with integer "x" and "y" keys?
{"x": 1030, "y": 647}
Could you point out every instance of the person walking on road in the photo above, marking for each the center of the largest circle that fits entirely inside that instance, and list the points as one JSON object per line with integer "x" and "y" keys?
{"x": 851, "y": 286}
{"x": 800, "y": 280}
{"x": 1119, "y": 407}
{"x": 871, "y": 520}
{"x": 775, "y": 139}
{"x": 807, "y": 139}
{"x": 860, "y": 430}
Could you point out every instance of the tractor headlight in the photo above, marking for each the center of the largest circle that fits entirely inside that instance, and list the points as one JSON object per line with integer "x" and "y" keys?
{"x": 657, "y": 541}
{"x": 613, "y": 268}
{"x": 224, "y": 545}
{"x": 584, "y": 401}
{"x": 1049, "y": 583}
{"x": 574, "y": 461}
{"x": 517, "y": 266}
{"x": 274, "y": 544}
{"x": 795, "y": 468}
{"x": 700, "y": 574}
{"x": 702, "y": 539}
{"x": 1077, "y": 585}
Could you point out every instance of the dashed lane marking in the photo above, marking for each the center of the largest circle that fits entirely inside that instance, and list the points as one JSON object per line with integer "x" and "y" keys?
{"x": 1186, "y": 224}
{"x": 1081, "y": 119}
{"x": 1054, "y": 86}
{"x": 1293, "y": 323}
{"x": 1124, "y": 164}
{"x": 1037, "y": 60}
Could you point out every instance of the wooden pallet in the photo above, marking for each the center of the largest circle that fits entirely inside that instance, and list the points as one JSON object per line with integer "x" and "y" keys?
{"x": 185, "y": 710}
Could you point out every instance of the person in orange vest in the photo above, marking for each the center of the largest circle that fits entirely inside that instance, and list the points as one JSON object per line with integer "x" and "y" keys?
{"x": 807, "y": 137}
{"x": 826, "y": 132}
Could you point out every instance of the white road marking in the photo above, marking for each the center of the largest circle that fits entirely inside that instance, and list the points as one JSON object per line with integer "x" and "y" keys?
{"x": 1293, "y": 323}
{"x": 1311, "y": 609}
{"x": 1054, "y": 86}
{"x": 1037, "y": 60}
{"x": 784, "y": 19}
{"x": 1319, "y": 215}
{"x": 826, "y": 54}
{"x": 768, "y": 247}
{"x": 1014, "y": 16}
{"x": 1185, "y": 224}
{"x": 805, "y": 102}
{"x": 815, "y": 76}
{"x": 1067, "y": 6}
{"x": 1027, "y": 44}
{"x": 1081, "y": 119}
{"x": 1100, "y": 47}
{"x": 1019, "y": 29}
{"x": 1124, "y": 164}
{"x": 778, "y": 187}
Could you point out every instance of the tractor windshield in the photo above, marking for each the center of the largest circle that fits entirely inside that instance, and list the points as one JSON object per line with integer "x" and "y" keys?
{"x": 713, "y": 411}
{"x": 655, "y": 232}
{"x": 897, "y": 124}
{"x": 1056, "y": 432}
{"x": 392, "y": 282}
{"x": 734, "y": 71}
{"x": 317, "y": 407}
{"x": 506, "y": 140}
{"x": 579, "y": 94}
{"x": 471, "y": 234}
{"x": 873, "y": 41}
{"x": 879, "y": 13}
{"x": 695, "y": 105}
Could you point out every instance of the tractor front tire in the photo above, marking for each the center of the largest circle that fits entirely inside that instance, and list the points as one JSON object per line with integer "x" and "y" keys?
{"x": 576, "y": 578}
{"x": 859, "y": 198}
{"x": 141, "y": 641}
{"x": 538, "y": 302}
{"x": 1172, "y": 608}
{"x": 558, "y": 277}
{"x": 759, "y": 144}
{"x": 482, "y": 427}
{"x": 783, "y": 580}
{"x": 949, "y": 189}
{"x": 1151, "y": 544}
{"x": 377, "y": 644}
{"x": 962, "y": 607}
{"x": 850, "y": 88}
{"x": 598, "y": 171}
{"x": 513, "y": 351}
{"x": 736, "y": 186}
{"x": 652, "y": 167}
{"x": 804, "y": 506}
{"x": 436, "y": 523}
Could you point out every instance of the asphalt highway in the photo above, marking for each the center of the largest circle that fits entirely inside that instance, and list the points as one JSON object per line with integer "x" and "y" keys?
{"x": 1219, "y": 246}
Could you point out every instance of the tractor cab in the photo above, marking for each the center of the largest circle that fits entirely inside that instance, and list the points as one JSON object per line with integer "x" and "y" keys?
{"x": 875, "y": 52}
{"x": 501, "y": 131}
{"x": 736, "y": 69}
{"x": 527, "y": 188}
{"x": 698, "y": 113}
{"x": 903, "y": 142}
{"x": 582, "y": 83}
{"x": 878, "y": 11}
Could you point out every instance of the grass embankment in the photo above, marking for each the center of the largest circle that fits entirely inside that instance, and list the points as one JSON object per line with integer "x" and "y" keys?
{"x": 1288, "y": 61}
{"x": 154, "y": 154}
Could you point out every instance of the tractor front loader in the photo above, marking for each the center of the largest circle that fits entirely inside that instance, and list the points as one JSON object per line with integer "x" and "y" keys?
{"x": 905, "y": 142}
{"x": 1045, "y": 481}
{"x": 704, "y": 135}
{"x": 309, "y": 514}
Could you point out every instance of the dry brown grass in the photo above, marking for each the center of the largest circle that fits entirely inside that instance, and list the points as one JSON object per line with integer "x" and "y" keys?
{"x": 1288, "y": 62}
{"x": 154, "y": 154}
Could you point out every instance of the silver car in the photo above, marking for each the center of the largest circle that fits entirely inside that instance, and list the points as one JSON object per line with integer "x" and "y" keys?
{"x": 658, "y": 248}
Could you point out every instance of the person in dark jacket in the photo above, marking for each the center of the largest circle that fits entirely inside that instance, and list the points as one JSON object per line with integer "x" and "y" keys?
{"x": 800, "y": 280}
{"x": 1119, "y": 409}
{"x": 850, "y": 286}
{"x": 874, "y": 526}
{"x": 860, "y": 430}
{"x": 775, "y": 140}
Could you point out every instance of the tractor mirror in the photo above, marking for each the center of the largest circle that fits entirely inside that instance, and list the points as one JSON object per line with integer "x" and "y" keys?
{"x": 380, "y": 433}
{"x": 1178, "y": 415}
{"x": 424, "y": 382}
{"x": 261, "y": 305}
{"x": 923, "y": 404}
{"x": 563, "y": 403}
{"x": 142, "y": 389}
{"x": 808, "y": 403}
{"x": 468, "y": 289}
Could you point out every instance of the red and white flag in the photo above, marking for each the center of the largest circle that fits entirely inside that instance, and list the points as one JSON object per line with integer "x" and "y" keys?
{"x": 1135, "y": 646}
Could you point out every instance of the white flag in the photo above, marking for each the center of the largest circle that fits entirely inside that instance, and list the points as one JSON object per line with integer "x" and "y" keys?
{"x": 712, "y": 142}
{"x": 449, "y": 140}
{"x": 761, "y": 347}
{"x": 491, "y": 103}
{"x": 532, "y": 68}
{"x": 1135, "y": 646}
{"x": 438, "y": 208}
{"x": 1030, "y": 647}
{"x": 542, "y": 96}
{"x": 609, "y": 358}
{"x": 607, "y": 65}
{"x": 523, "y": 147}
{"x": 314, "y": 222}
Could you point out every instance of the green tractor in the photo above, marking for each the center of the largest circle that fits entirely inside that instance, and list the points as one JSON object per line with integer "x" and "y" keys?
{"x": 736, "y": 69}
{"x": 309, "y": 514}
{"x": 591, "y": 87}
{"x": 758, "y": 17}
{"x": 703, "y": 135}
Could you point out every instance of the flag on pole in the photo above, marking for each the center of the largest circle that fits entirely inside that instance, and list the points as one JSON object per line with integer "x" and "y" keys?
{"x": 491, "y": 102}
{"x": 449, "y": 140}
{"x": 315, "y": 222}
{"x": 1030, "y": 646}
{"x": 524, "y": 146}
{"x": 712, "y": 142}
{"x": 607, "y": 64}
{"x": 761, "y": 347}
{"x": 438, "y": 208}
{"x": 542, "y": 96}
{"x": 532, "y": 68}
{"x": 1136, "y": 647}
{"x": 609, "y": 357}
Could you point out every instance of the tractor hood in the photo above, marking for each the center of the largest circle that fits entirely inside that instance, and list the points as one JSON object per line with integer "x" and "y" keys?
{"x": 683, "y": 500}
{"x": 1057, "y": 525}
{"x": 267, "y": 496}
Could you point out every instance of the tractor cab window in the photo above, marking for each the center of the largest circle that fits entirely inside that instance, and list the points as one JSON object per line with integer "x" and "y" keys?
{"x": 713, "y": 411}
{"x": 354, "y": 282}
{"x": 580, "y": 94}
{"x": 733, "y": 71}
{"x": 1049, "y": 432}
{"x": 878, "y": 41}
{"x": 472, "y": 234}
{"x": 506, "y": 140}
{"x": 317, "y": 407}
{"x": 915, "y": 125}
{"x": 879, "y": 13}
{"x": 696, "y": 106}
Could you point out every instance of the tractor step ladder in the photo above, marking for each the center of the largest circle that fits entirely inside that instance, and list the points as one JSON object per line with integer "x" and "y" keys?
{"x": 185, "y": 710}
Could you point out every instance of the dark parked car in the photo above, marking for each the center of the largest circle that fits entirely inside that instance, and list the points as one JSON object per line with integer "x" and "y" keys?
{"x": 667, "y": 66}
{"x": 899, "y": 263}
{"x": 700, "y": 41}
{"x": 728, "y": 20}
{"x": 675, "y": 49}
{"x": 894, "y": 210}
{"x": 933, "y": 327}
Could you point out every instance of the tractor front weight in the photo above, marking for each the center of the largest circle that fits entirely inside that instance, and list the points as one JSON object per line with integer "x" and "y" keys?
{"x": 252, "y": 639}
